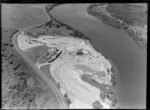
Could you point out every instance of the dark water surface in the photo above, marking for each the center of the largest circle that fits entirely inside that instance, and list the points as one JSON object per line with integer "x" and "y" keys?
{"x": 117, "y": 46}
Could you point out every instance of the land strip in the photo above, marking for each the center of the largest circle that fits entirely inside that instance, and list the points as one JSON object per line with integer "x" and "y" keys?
{"x": 111, "y": 15}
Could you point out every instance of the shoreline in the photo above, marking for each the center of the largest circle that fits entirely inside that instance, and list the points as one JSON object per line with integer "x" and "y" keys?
{"x": 77, "y": 33}
{"x": 117, "y": 24}
{"x": 53, "y": 21}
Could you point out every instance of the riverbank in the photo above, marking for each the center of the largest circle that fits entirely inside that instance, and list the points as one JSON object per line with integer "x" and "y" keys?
{"x": 136, "y": 32}
{"x": 56, "y": 27}
{"x": 75, "y": 33}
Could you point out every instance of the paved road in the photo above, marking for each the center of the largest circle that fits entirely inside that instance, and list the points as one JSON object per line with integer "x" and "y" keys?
{"x": 50, "y": 83}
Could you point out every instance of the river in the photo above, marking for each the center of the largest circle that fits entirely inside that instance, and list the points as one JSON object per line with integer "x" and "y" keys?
{"x": 115, "y": 45}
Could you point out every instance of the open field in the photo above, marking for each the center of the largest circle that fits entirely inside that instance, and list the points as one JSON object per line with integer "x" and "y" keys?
{"x": 19, "y": 16}
{"x": 46, "y": 70}
{"x": 36, "y": 52}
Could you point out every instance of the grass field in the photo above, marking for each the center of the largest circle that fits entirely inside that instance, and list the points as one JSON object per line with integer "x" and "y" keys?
{"x": 36, "y": 52}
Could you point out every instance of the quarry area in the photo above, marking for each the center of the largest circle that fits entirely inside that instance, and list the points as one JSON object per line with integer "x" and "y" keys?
{"x": 72, "y": 63}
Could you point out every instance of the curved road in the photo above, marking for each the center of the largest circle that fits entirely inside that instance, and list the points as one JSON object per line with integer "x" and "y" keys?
{"x": 50, "y": 83}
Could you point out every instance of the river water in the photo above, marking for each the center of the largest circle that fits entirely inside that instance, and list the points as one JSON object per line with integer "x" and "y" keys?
{"x": 117, "y": 46}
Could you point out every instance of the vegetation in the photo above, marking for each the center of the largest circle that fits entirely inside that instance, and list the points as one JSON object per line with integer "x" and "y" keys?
{"x": 54, "y": 27}
{"x": 36, "y": 52}
{"x": 67, "y": 99}
{"x": 97, "y": 105}
{"x": 21, "y": 86}
{"x": 107, "y": 20}
{"x": 129, "y": 13}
